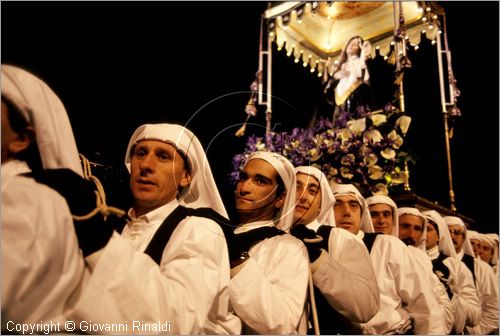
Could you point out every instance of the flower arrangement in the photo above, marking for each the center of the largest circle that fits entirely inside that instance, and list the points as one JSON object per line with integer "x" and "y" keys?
{"x": 362, "y": 148}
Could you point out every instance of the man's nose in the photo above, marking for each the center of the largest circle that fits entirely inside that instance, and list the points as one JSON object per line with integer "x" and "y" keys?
{"x": 147, "y": 163}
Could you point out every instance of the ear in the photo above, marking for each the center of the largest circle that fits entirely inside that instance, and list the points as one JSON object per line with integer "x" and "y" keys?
{"x": 22, "y": 140}
{"x": 281, "y": 201}
{"x": 186, "y": 179}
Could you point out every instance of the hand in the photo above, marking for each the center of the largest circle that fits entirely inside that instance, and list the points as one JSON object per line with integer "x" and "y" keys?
{"x": 300, "y": 231}
{"x": 242, "y": 242}
{"x": 92, "y": 233}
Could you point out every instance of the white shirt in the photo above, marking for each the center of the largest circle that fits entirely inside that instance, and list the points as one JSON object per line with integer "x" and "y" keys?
{"x": 190, "y": 289}
{"x": 42, "y": 266}
{"x": 403, "y": 291}
{"x": 269, "y": 292}
{"x": 465, "y": 298}
{"x": 346, "y": 277}
{"x": 436, "y": 286}
{"x": 488, "y": 297}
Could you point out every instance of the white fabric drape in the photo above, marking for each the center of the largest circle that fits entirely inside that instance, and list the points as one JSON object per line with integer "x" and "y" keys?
{"x": 42, "y": 109}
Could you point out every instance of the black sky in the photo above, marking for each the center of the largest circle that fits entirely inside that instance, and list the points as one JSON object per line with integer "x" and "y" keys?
{"x": 117, "y": 65}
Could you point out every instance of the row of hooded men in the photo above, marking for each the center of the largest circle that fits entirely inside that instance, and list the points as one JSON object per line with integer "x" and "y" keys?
{"x": 304, "y": 257}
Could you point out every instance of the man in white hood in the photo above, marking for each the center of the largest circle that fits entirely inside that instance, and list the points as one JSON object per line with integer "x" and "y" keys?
{"x": 489, "y": 250}
{"x": 484, "y": 278}
{"x": 452, "y": 273}
{"x": 404, "y": 297}
{"x": 413, "y": 232}
{"x": 42, "y": 266}
{"x": 169, "y": 270}
{"x": 270, "y": 268}
{"x": 346, "y": 289}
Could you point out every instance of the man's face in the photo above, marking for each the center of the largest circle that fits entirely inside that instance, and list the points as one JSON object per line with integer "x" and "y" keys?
{"x": 12, "y": 142}
{"x": 486, "y": 252}
{"x": 308, "y": 203}
{"x": 157, "y": 172}
{"x": 432, "y": 236}
{"x": 382, "y": 218}
{"x": 347, "y": 213}
{"x": 256, "y": 197}
{"x": 411, "y": 228}
{"x": 457, "y": 233}
{"x": 476, "y": 246}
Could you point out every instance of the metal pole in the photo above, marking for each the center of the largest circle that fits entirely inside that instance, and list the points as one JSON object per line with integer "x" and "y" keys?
{"x": 269, "y": 84}
{"x": 445, "y": 120}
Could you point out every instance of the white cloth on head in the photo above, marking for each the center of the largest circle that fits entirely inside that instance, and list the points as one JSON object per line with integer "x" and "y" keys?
{"x": 445, "y": 242}
{"x": 492, "y": 240}
{"x": 287, "y": 173}
{"x": 381, "y": 199}
{"x": 415, "y": 212}
{"x": 349, "y": 189}
{"x": 42, "y": 109}
{"x": 326, "y": 215}
{"x": 474, "y": 235}
{"x": 466, "y": 247}
{"x": 202, "y": 191}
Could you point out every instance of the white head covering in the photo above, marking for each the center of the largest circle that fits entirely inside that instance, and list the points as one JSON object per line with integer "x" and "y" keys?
{"x": 326, "y": 215}
{"x": 202, "y": 191}
{"x": 445, "y": 243}
{"x": 42, "y": 109}
{"x": 474, "y": 234}
{"x": 349, "y": 189}
{"x": 382, "y": 199}
{"x": 287, "y": 173}
{"x": 466, "y": 247}
{"x": 492, "y": 240}
{"x": 415, "y": 212}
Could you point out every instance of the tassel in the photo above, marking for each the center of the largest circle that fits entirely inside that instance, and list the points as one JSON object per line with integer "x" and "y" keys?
{"x": 241, "y": 131}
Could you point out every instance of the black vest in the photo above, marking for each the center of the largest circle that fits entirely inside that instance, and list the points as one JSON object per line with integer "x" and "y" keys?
{"x": 164, "y": 232}
{"x": 332, "y": 322}
{"x": 442, "y": 272}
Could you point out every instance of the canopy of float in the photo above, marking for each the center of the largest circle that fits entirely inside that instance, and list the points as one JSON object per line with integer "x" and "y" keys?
{"x": 314, "y": 33}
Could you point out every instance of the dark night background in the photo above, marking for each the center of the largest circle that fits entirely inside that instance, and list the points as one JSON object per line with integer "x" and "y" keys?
{"x": 117, "y": 65}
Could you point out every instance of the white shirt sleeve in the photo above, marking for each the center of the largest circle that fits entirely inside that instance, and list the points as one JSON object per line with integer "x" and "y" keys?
{"x": 269, "y": 292}
{"x": 411, "y": 285}
{"x": 42, "y": 266}
{"x": 465, "y": 298}
{"x": 346, "y": 278}
{"x": 191, "y": 281}
{"x": 488, "y": 295}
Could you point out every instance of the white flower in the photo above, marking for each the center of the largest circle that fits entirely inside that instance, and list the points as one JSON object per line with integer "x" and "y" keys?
{"x": 260, "y": 146}
{"x": 333, "y": 171}
{"x": 380, "y": 189}
{"x": 373, "y": 135}
{"x": 398, "y": 177}
{"x": 315, "y": 154}
{"x": 348, "y": 159}
{"x": 397, "y": 140}
{"x": 370, "y": 159}
{"x": 345, "y": 136}
{"x": 403, "y": 123}
{"x": 375, "y": 172}
{"x": 344, "y": 171}
{"x": 378, "y": 119}
{"x": 357, "y": 126}
{"x": 388, "y": 153}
